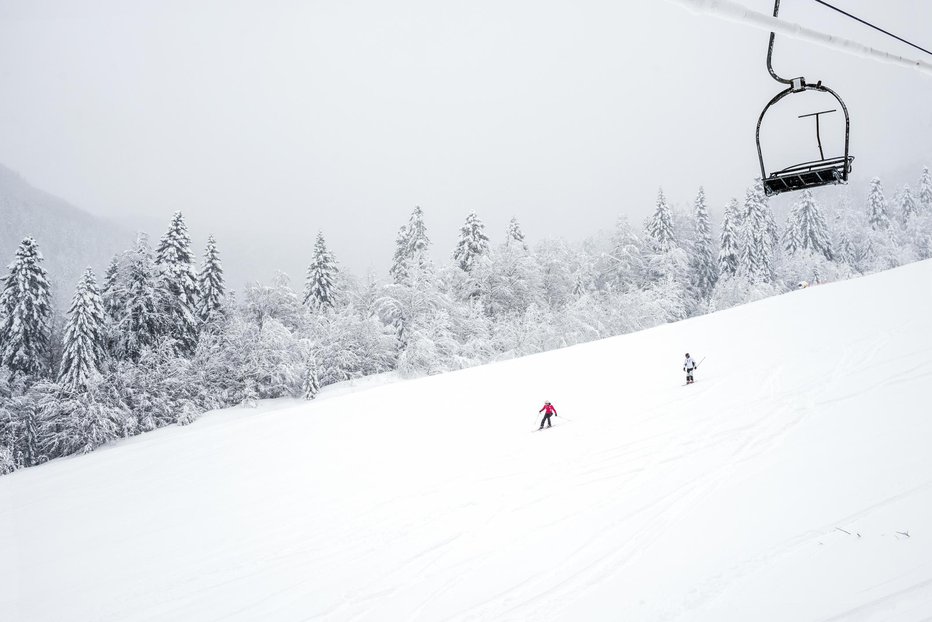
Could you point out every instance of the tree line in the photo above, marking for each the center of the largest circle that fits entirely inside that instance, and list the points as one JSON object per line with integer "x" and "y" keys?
{"x": 160, "y": 341}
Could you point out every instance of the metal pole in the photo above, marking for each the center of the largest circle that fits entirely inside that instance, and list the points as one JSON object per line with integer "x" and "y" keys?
{"x": 773, "y": 36}
{"x": 819, "y": 137}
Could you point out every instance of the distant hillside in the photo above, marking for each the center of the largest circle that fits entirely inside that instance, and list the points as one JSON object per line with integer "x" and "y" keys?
{"x": 70, "y": 239}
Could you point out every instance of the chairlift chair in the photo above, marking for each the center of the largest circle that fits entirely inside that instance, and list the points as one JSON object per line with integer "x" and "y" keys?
{"x": 815, "y": 173}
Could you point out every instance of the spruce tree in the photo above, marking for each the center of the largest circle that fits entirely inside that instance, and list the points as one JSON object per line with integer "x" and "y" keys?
{"x": 83, "y": 351}
{"x": 319, "y": 287}
{"x": 514, "y": 236}
{"x": 472, "y": 243}
{"x": 114, "y": 303}
{"x": 877, "y": 207}
{"x": 399, "y": 267}
{"x": 844, "y": 249}
{"x": 703, "y": 269}
{"x": 792, "y": 240}
{"x": 925, "y": 191}
{"x": 26, "y": 415}
{"x": 110, "y": 295}
{"x": 418, "y": 242}
{"x": 660, "y": 226}
{"x": 25, "y": 313}
{"x": 210, "y": 284}
{"x": 178, "y": 285}
{"x": 140, "y": 325}
{"x": 311, "y": 380}
{"x": 757, "y": 244}
{"x": 806, "y": 228}
{"x": 908, "y": 204}
{"x": 410, "y": 248}
{"x": 729, "y": 253}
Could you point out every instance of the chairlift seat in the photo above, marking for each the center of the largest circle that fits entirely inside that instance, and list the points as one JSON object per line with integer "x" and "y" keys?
{"x": 809, "y": 175}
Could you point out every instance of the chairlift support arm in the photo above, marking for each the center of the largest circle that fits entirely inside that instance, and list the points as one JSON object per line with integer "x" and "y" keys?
{"x": 773, "y": 36}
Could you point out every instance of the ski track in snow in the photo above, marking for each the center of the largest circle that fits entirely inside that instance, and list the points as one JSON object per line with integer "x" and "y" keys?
{"x": 429, "y": 499}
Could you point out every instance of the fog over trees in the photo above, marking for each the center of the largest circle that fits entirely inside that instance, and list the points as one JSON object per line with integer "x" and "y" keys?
{"x": 158, "y": 340}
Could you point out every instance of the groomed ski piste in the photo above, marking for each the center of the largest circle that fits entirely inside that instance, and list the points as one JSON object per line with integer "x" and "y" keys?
{"x": 793, "y": 481}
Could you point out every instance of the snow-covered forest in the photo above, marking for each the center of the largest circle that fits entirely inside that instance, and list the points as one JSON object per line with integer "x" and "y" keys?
{"x": 159, "y": 338}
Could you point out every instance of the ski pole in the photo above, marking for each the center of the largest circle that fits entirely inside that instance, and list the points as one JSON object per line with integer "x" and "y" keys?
{"x": 700, "y": 362}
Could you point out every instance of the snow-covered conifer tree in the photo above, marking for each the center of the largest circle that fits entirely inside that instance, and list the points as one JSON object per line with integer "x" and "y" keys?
{"x": 514, "y": 236}
{"x": 110, "y": 294}
{"x": 703, "y": 269}
{"x": 844, "y": 248}
{"x": 410, "y": 248}
{"x": 7, "y": 461}
{"x": 399, "y": 267}
{"x": 210, "y": 284}
{"x": 925, "y": 191}
{"x": 112, "y": 298}
{"x": 806, "y": 228}
{"x": 26, "y": 419}
{"x": 140, "y": 324}
{"x": 757, "y": 247}
{"x": 84, "y": 336}
{"x": 25, "y": 313}
{"x": 418, "y": 242}
{"x": 791, "y": 235}
{"x": 311, "y": 381}
{"x": 472, "y": 243}
{"x": 877, "y": 207}
{"x": 660, "y": 225}
{"x": 908, "y": 206}
{"x": 729, "y": 253}
{"x": 319, "y": 288}
{"x": 178, "y": 285}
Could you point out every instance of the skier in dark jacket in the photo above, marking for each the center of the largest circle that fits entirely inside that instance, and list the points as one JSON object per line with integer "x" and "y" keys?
{"x": 688, "y": 366}
{"x": 548, "y": 410}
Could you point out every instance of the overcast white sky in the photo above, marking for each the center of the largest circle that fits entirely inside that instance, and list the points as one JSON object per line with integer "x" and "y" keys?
{"x": 265, "y": 121}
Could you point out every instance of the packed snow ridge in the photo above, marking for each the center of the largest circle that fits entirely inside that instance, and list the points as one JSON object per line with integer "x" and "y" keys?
{"x": 793, "y": 481}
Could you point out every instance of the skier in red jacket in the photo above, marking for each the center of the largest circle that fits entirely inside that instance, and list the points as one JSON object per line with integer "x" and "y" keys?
{"x": 548, "y": 410}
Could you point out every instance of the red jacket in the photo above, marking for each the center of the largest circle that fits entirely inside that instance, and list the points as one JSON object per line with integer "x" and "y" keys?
{"x": 549, "y": 408}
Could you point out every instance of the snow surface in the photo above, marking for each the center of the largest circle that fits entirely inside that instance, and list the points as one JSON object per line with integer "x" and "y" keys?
{"x": 774, "y": 488}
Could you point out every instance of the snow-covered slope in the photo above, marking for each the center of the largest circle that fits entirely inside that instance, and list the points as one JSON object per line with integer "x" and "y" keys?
{"x": 781, "y": 486}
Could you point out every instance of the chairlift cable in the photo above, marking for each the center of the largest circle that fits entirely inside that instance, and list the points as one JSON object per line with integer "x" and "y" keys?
{"x": 878, "y": 28}
{"x": 739, "y": 13}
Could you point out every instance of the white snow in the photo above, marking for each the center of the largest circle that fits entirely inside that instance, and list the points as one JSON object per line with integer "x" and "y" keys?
{"x": 434, "y": 500}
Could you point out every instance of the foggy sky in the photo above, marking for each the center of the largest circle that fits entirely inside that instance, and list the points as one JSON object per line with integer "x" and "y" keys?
{"x": 265, "y": 122}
